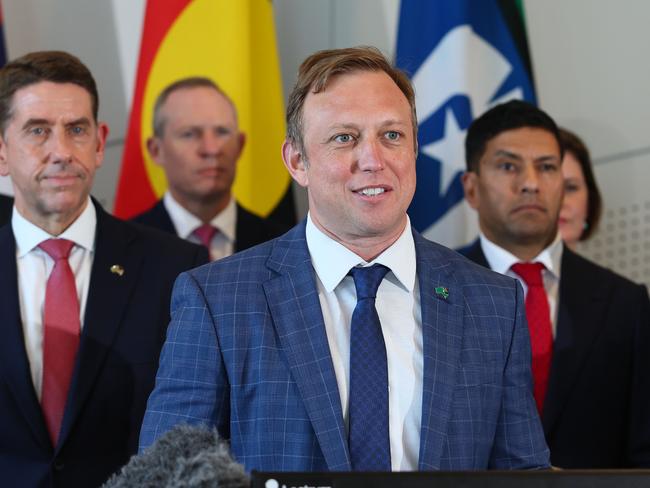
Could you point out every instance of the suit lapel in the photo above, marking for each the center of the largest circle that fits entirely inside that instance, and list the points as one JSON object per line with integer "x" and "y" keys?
{"x": 162, "y": 216}
{"x": 158, "y": 217}
{"x": 581, "y": 317}
{"x": 108, "y": 298}
{"x": 442, "y": 331}
{"x": 14, "y": 365}
{"x": 295, "y": 307}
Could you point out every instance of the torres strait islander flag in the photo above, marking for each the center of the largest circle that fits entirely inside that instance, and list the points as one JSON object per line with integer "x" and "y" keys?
{"x": 463, "y": 56}
{"x": 233, "y": 43}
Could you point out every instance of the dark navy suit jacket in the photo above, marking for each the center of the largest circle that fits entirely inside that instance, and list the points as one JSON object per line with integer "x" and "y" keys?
{"x": 6, "y": 204}
{"x": 124, "y": 328}
{"x": 250, "y": 229}
{"x": 247, "y": 352}
{"x": 597, "y": 408}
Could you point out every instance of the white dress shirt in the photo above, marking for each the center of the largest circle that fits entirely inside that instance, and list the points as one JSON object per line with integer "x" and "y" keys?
{"x": 398, "y": 307}
{"x": 223, "y": 242}
{"x": 34, "y": 267}
{"x": 501, "y": 260}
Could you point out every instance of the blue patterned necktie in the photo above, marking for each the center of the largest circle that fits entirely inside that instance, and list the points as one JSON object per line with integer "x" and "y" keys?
{"x": 369, "y": 438}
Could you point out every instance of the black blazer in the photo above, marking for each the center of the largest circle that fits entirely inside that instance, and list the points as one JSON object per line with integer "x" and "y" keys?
{"x": 250, "y": 229}
{"x": 597, "y": 408}
{"x": 6, "y": 204}
{"x": 124, "y": 327}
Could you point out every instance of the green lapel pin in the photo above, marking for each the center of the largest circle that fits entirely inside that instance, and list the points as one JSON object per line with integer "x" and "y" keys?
{"x": 442, "y": 292}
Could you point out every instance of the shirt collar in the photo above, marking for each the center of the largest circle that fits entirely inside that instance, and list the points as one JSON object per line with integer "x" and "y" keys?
{"x": 185, "y": 222}
{"x": 81, "y": 231}
{"x": 332, "y": 261}
{"x": 501, "y": 260}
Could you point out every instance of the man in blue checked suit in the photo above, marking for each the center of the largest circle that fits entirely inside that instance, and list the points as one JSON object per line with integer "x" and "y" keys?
{"x": 304, "y": 363}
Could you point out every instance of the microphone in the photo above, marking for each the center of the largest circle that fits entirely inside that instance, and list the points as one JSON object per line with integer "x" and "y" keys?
{"x": 185, "y": 456}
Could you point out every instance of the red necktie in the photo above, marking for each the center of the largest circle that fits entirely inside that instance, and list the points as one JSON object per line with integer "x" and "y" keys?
{"x": 538, "y": 315}
{"x": 205, "y": 233}
{"x": 60, "y": 336}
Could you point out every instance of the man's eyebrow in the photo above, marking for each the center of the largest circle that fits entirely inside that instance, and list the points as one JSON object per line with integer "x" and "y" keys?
{"x": 185, "y": 127}
{"x": 547, "y": 157}
{"x": 507, "y": 154}
{"x": 353, "y": 125}
{"x": 389, "y": 122}
{"x": 344, "y": 125}
{"x": 504, "y": 153}
{"x": 79, "y": 121}
{"x": 32, "y": 122}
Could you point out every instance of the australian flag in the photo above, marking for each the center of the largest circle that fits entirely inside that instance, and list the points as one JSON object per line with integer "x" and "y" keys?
{"x": 463, "y": 56}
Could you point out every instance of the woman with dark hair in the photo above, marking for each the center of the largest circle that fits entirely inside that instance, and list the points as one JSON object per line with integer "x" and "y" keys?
{"x": 582, "y": 204}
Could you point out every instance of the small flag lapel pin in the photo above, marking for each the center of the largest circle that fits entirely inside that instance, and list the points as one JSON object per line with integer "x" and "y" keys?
{"x": 442, "y": 292}
{"x": 119, "y": 270}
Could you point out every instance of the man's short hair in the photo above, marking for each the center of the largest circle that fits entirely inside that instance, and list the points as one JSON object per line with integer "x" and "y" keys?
{"x": 572, "y": 144}
{"x": 511, "y": 115}
{"x": 183, "y": 83}
{"x": 321, "y": 67}
{"x": 52, "y": 66}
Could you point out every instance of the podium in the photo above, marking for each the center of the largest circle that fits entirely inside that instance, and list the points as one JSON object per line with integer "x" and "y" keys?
{"x": 633, "y": 478}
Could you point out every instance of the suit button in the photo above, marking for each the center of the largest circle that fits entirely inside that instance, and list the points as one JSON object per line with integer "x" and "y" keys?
{"x": 58, "y": 465}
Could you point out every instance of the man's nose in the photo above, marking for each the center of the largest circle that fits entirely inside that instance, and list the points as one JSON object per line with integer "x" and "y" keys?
{"x": 371, "y": 156}
{"x": 61, "y": 150}
{"x": 529, "y": 179}
{"x": 210, "y": 144}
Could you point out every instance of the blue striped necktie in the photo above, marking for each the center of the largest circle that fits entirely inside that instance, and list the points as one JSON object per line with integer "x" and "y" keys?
{"x": 369, "y": 440}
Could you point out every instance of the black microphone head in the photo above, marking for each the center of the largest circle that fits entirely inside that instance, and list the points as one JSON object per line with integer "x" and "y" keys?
{"x": 186, "y": 456}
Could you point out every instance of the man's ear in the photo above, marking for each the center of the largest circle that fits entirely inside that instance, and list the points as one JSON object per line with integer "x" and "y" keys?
{"x": 4, "y": 167}
{"x": 470, "y": 186}
{"x": 153, "y": 147}
{"x": 242, "y": 143}
{"x": 102, "y": 137}
{"x": 295, "y": 162}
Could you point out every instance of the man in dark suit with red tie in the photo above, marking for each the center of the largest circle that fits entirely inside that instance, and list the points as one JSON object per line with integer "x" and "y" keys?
{"x": 84, "y": 297}
{"x": 589, "y": 328}
{"x": 197, "y": 141}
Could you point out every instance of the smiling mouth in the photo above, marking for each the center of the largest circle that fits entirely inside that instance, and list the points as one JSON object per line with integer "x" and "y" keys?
{"x": 371, "y": 191}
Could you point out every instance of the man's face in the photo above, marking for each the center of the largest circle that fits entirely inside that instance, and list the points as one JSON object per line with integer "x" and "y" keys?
{"x": 51, "y": 148}
{"x": 200, "y": 145}
{"x": 359, "y": 165}
{"x": 518, "y": 188}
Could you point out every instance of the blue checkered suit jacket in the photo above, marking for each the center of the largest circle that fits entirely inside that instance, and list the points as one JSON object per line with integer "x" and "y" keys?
{"x": 247, "y": 352}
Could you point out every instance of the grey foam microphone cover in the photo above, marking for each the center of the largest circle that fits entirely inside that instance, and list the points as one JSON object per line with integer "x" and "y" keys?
{"x": 186, "y": 456}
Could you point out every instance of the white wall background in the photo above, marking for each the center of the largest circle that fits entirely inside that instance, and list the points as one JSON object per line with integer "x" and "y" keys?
{"x": 590, "y": 60}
